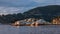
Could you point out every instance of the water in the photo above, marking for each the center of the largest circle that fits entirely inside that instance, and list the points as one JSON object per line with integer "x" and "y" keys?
{"x": 44, "y": 29}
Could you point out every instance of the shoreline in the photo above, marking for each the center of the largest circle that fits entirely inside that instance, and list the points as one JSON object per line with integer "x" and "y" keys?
{"x": 34, "y": 25}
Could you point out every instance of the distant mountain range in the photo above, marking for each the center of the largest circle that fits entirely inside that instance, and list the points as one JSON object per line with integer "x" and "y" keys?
{"x": 45, "y": 12}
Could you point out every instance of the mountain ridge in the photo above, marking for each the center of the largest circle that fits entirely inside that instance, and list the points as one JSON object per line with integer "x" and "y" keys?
{"x": 45, "y": 12}
{"x": 46, "y": 9}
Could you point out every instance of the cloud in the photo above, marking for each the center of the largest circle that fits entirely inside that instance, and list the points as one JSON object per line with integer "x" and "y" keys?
{"x": 27, "y": 3}
{"x": 17, "y": 6}
{"x": 11, "y": 10}
{"x": 39, "y": 1}
{"x": 17, "y": 3}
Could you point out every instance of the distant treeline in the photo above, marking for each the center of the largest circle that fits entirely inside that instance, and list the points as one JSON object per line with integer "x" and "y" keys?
{"x": 11, "y": 18}
{"x": 47, "y": 13}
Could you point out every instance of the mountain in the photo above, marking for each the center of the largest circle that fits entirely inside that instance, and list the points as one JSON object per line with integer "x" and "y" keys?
{"x": 51, "y": 9}
{"x": 45, "y": 12}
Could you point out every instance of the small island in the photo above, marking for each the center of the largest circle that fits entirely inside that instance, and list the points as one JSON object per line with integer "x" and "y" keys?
{"x": 45, "y": 15}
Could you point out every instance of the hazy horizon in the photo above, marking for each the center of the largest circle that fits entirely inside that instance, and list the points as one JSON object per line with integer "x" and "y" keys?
{"x": 20, "y": 6}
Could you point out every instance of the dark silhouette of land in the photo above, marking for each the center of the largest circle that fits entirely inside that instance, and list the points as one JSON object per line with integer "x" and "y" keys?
{"x": 46, "y": 12}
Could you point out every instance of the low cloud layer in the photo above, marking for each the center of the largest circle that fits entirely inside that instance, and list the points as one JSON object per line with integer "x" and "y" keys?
{"x": 11, "y": 10}
{"x": 16, "y": 6}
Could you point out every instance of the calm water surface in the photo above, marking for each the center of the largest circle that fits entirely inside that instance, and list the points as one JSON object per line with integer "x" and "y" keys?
{"x": 47, "y": 29}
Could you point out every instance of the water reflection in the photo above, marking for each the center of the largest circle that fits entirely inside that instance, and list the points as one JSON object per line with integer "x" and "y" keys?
{"x": 33, "y": 26}
{"x": 44, "y": 29}
{"x": 16, "y": 26}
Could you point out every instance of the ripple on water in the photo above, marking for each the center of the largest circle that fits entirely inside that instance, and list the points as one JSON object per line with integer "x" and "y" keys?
{"x": 44, "y": 29}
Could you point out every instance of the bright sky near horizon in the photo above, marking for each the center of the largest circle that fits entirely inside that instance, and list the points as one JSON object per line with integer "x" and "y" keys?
{"x": 16, "y": 6}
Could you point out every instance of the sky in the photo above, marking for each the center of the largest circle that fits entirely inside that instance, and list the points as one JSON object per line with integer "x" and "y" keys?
{"x": 20, "y": 6}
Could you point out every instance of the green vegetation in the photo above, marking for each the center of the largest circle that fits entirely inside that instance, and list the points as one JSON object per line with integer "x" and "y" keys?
{"x": 47, "y": 13}
{"x": 11, "y": 18}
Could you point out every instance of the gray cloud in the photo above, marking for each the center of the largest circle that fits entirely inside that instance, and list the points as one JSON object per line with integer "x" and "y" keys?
{"x": 27, "y": 3}
{"x": 17, "y": 3}
{"x": 11, "y": 10}
{"x": 16, "y": 6}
